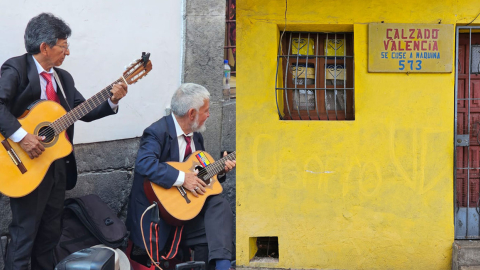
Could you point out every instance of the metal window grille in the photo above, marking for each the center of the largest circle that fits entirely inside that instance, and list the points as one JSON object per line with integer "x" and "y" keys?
{"x": 231, "y": 35}
{"x": 230, "y": 47}
{"x": 315, "y": 76}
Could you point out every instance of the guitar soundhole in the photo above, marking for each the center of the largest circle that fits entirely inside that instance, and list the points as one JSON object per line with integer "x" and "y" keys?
{"x": 48, "y": 132}
{"x": 201, "y": 173}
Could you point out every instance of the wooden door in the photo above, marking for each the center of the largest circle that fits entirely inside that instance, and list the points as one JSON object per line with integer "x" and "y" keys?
{"x": 467, "y": 140}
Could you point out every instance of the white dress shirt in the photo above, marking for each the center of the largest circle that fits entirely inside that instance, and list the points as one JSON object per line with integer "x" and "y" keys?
{"x": 21, "y": 133}
{"x": 182, "y": 145}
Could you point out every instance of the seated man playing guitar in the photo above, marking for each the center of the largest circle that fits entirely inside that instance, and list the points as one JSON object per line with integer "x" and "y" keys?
{"x": 172, "y": 139}
{"x": 36, "y": 218}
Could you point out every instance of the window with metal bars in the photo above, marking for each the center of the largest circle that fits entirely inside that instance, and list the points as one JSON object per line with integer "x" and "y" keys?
{"x": 315, "y": 76}
{"x": 230, "y": 49}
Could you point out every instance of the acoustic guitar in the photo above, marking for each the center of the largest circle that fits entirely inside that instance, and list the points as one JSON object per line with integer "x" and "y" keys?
{"x": 20, "y": 175}
{"x": 177, "y": 204}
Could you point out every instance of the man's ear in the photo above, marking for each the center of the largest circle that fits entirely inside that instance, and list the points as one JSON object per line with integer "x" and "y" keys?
{"x": 191, "y": 114}
{"x": 43, "y": 48}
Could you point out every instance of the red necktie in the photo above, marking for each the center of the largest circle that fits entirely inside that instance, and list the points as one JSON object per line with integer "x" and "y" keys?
{"x": 188, "y": 150}
{"x": 51, "y": 94}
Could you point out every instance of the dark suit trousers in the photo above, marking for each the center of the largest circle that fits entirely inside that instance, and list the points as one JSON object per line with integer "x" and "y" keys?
{"x": 36, "y": 222}
{"x": 213, "y": 226}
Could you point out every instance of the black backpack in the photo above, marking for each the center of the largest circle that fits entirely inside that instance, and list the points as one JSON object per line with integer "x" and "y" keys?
{"x": 88, "y": 221}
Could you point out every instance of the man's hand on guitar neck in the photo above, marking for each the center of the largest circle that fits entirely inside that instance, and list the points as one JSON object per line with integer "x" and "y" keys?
{"x": 229, "y": 165}
{"x": 194, "y": 184}
{"x": 31, "y": 144}
{"x": 119, "y": 90}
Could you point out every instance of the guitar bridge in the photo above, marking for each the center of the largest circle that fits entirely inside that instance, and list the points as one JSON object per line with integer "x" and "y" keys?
{"x": 13, "y": 155}
{"x": 183, "y": 193}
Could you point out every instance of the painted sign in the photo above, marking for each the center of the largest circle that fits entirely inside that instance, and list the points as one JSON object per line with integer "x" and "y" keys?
{"x": 410, "y": 47}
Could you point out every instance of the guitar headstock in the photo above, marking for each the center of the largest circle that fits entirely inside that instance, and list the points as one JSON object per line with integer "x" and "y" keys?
{"x": 138, "y": 69}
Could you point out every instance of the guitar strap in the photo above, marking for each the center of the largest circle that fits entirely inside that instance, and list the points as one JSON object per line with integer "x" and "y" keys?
{"x": 154, "y": 230}
{"x": 59, "y": 84}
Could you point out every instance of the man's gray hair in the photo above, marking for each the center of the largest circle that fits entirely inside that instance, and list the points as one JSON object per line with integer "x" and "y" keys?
{"x": 188, "y": 96}
{"x": 47, "y": 28}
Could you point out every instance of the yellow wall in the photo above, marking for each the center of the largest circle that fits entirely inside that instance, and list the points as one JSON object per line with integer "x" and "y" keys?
{"x": 387, "y": 199}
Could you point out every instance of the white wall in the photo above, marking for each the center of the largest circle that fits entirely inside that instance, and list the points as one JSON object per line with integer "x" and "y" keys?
{"x": 106, "y": 36}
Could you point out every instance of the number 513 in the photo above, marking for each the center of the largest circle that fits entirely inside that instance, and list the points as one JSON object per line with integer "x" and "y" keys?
{"x": 418, "y": 65}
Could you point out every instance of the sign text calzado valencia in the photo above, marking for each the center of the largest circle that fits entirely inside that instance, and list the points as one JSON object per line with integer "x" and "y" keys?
{"x": 410, "y": 47}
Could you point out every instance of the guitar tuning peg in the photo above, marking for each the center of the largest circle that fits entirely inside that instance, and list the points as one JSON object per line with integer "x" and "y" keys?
{"x": 126, "y": 67}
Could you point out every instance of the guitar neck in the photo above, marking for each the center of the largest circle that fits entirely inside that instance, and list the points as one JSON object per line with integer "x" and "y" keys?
{"x": 81, "y": 110}
{"x": 216, "y": 167}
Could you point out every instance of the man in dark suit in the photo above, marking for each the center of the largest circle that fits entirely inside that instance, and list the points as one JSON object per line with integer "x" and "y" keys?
{"x": 35, "y": 227}
{"x": 170, "y": 139}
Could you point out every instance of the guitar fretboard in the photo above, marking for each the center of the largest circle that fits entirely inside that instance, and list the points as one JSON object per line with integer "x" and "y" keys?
{"x": 81, "y": 110}
{"x": 216, "y": 167}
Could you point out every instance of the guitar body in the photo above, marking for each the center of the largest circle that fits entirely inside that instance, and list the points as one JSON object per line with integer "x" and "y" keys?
{"x": 174, "y": 208}
{"x": 14, "y": 183}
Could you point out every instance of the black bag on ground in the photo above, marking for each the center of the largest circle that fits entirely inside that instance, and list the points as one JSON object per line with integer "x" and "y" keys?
{"x": 88, "y": 221}
{"x": 4, "y": 237}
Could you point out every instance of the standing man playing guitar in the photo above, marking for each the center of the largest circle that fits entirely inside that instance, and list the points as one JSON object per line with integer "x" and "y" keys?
{"x": 35, "y": 227}
{"x": 172, "y": 138}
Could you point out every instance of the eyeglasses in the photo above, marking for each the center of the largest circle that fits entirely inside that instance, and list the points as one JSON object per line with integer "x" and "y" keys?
{"x": 65, "y": 48}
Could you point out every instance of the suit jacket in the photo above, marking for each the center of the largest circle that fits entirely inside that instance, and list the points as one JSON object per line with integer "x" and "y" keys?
{"x": 159, "y": 144}
{"x": 20, "y": 87}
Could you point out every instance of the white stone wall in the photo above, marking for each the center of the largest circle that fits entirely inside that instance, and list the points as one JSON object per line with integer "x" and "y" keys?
{"x": 106, "y": 36}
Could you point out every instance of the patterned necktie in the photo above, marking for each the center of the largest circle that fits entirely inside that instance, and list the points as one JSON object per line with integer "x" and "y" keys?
{"x": 188, "y": 150}
{"x": 51, "y": 94}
